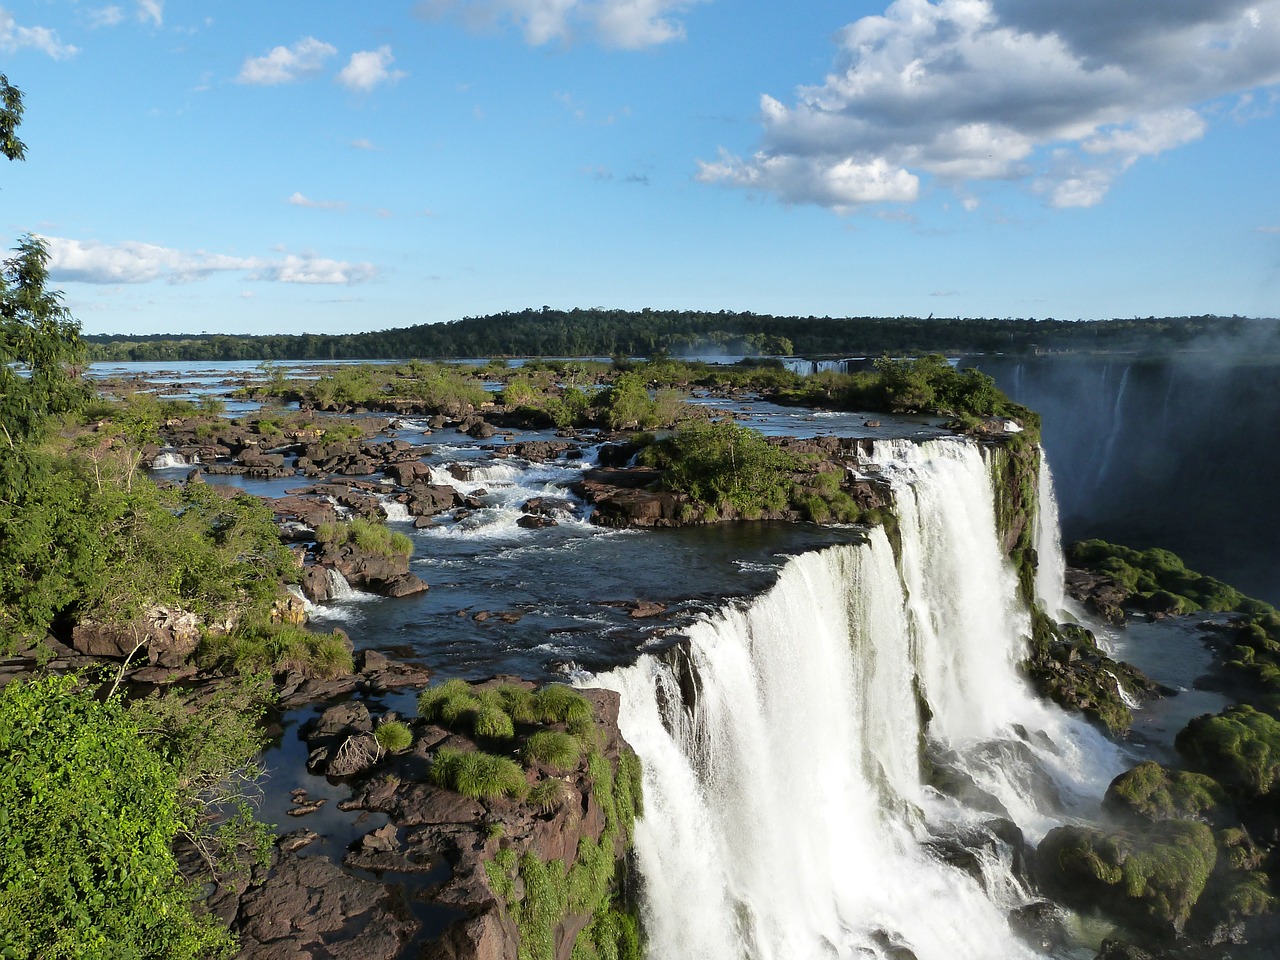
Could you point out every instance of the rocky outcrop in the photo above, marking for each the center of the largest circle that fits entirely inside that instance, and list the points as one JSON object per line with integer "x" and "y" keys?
{"x": 469, "y": 854}
{"x": 160, "y": 637}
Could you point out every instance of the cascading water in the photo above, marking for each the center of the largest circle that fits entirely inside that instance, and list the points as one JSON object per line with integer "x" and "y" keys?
{"x": 1051, "y": 565}
{"x": 1117, "y": 424}
{"x": 786, "y": 812}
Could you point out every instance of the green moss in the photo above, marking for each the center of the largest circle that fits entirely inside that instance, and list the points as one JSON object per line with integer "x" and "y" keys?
{"x": 1153, "y": 878}
{"x": 1239, "y": 747}
{"x": 1153, "y": 792}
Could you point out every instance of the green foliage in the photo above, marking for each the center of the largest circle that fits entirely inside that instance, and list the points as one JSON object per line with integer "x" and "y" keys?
{"x": 724, "y": 463}
{"x": 601, "y": 332}
{"x": 88, "y": 538}
{"x": 1153, "y": 792}
{"x": 553, "y": 748}
{"x": 41, "y": 354}
{"x": 10, "y": 117}
{"x": 393, "y": 736}
{"x": 369, "y": 536}
{"x": 447, "y": 702}
{"x": 557, "y": 703}
{"x": 479, "y": 775}
{"x": 258, "y": 646}
{"x": 89, "y": 811}
{"x": 1239, "y": 747}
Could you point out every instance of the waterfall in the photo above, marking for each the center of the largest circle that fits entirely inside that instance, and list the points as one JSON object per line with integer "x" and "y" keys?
{"x": 1117, "y": 424}
{"x": 786, "y": 814}
{"x": 339, "y": 588}
{"x": 1051, "y": 564}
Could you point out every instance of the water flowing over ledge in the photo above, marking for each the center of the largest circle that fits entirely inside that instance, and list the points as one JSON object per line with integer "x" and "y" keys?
{"x": 788, "y": 744}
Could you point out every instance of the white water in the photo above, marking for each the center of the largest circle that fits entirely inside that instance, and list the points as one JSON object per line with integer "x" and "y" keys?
{"x": 170, "y": 460}
{"x": 1051, "y": 566}
{"x": 785, "y": 813}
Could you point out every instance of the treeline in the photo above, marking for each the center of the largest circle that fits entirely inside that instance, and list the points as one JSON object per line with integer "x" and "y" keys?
{"x": 607, "y": 333}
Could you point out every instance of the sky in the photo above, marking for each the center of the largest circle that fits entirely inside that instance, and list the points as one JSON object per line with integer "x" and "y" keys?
{"x": 326, "y": 167}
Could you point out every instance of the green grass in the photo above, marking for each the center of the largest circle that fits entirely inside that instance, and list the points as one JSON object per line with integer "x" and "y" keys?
{"x": 479, "y": 775}
{"x": 393, "y": 736}
{"x": 553, "y": 748}
{"x": 548, "y": 795}
{"x": 556, "y": 703}
{"x": 278, "y": 647}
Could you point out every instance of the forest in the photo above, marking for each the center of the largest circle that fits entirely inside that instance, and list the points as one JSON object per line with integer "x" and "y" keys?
{"x": 597, "y": 332}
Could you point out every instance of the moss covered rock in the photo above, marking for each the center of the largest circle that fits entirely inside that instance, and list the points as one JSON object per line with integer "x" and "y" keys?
{"x": 1239, "y": 747}
{"x": 1152, "y": 792}
{"x": 1150, "y": 880}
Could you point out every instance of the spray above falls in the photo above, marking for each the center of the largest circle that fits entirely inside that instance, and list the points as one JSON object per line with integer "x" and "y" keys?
{"x": 791, "y": 744}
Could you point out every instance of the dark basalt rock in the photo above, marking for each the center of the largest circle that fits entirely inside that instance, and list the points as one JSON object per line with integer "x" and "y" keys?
{"x": 307, "y": 907}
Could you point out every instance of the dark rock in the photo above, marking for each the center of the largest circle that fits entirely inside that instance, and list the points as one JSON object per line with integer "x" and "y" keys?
{"x": 308, "y": 907}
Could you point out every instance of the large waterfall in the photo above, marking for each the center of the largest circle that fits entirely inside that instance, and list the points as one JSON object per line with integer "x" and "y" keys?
{"x": 787, "y": 812}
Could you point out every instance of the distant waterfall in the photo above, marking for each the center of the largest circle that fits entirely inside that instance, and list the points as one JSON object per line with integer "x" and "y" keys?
{"x": 1051, "y": 568}
{"x": 786, "y": 815}
{"x": 1117, "y": 424}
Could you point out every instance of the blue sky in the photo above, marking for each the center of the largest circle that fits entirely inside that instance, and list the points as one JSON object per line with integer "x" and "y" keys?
{"x": 332, "y": 167}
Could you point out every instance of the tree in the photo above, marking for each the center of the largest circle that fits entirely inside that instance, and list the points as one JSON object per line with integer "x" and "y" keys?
{"x": 10, "y": 117}
{"x": 41, "y": 353}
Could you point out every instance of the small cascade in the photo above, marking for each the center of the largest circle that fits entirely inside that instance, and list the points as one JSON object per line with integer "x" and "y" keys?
{"x": 1051, "y": 564}
{"x": 339, "y": 589}
{"x": 787, "y": 814}
{"x": 172, "y": 460}
{"x": 395, "y": 511}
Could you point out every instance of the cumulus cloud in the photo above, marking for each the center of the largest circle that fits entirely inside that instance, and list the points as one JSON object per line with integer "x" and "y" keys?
{"x": 626, "y": 24}
{"x": 14, "y": 38}
{"x": 369, "y": 68}
{"x": 132, "y": 261}
{"x": 287, "y": 64}
{"x": 1063, "y": 96}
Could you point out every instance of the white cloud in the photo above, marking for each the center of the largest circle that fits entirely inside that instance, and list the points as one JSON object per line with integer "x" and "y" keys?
{"x": 300, "y": 200}
{"x": 287, "y": 64}
{"x": 360, "y": 143}
{"x": 152, "y": 11}
{"x": 132, "y": 261}
{"x": 626, "y": 24}
{"x": 368, "y": 68}
{"x": 14, "y": 38}
{"x": 111, "y": 16}
{"x": 1065, "y": 96}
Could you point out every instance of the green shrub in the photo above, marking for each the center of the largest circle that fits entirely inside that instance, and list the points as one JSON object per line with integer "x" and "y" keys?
{"x": 446, "y": 702}
{"x": 393, "y": 736}
{"x": 478, "y": 775}
{"x": 557, "y": 750}
{"x": 724, "y": 463}
{"x": 90, "y": 813}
